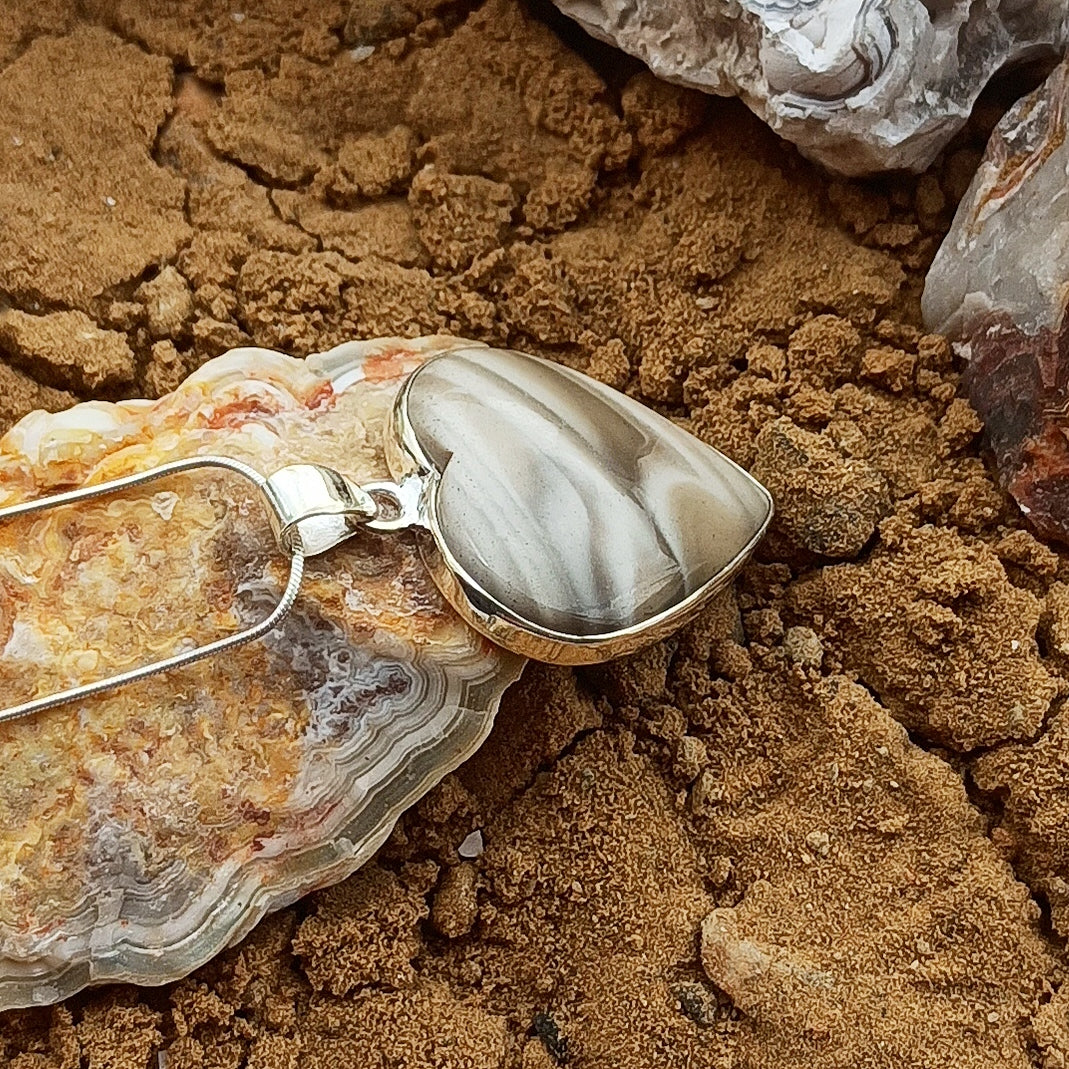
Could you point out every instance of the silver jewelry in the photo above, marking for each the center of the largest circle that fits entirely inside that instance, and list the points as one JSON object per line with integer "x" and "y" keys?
{"x": 562, "y": 519}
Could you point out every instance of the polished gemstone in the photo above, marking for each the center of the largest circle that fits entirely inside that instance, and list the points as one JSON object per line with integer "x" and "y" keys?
{"x": 568, "y": 503}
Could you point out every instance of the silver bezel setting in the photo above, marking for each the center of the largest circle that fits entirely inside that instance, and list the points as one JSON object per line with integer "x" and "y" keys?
{"x": 407, "y": 462}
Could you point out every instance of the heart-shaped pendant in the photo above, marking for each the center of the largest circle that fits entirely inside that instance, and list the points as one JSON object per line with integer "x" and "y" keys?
{"x": 567, "y": 521}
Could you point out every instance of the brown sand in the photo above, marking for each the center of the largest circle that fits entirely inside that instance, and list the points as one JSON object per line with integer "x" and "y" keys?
{"x": 821, "y": 827}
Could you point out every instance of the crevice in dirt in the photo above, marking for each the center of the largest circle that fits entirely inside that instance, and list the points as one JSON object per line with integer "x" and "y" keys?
{"x": 993, "y": 805}
{"x": 548, "y": 766}
{"x": 157, "y": 154}
{"x": 612, "y": 66}
{"x": 989, "y": 805}
{"x": 22, "y": 46}
{"x": 296, "y": 222}
{"x": 455, "y": 14}
{"x": 114, "y": 27}
{"x": 259, "y": 177}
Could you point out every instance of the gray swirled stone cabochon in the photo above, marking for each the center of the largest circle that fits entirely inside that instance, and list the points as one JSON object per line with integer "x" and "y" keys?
{"x": 568, "y": 502}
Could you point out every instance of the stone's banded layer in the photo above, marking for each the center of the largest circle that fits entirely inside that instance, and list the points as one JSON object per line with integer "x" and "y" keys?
{"x": 1006, "y": 249}
{"x": 569, "y": 503}
{"x": 144, "y": 830}
{"x": 861, "y": 86}
{"x": 998, "y": 286}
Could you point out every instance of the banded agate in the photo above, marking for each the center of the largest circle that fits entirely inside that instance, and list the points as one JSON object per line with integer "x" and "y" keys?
{"x": 860, "y": 86}
{"x": 146, "y": 829}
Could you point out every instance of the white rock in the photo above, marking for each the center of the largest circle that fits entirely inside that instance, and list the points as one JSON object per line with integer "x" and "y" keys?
{"x": 859, "y": 85}
{"x": 1006, "y": 249}
{"x": 472, "y": 846}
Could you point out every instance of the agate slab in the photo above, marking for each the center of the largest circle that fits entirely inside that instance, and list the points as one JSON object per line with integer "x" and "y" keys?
{"x": 143, "y": 830}
{"x": 860, "y": 86}
{"x": 998, "y": 287}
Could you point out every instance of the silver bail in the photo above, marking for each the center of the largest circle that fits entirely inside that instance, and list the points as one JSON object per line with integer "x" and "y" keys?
{"x": 313, "y": 508}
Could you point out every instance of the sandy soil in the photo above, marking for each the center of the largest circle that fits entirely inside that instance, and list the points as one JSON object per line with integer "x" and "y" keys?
{"x": 821, "y": 827}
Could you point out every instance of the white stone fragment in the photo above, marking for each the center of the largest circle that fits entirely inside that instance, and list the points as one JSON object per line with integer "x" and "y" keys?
{"x": 858, "y": 85}
{"x": 472, "y": 846}
{"x": 1005, "y": 251}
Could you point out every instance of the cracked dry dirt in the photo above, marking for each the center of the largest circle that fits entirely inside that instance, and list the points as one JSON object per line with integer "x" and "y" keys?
{"x": 823, "y": 826}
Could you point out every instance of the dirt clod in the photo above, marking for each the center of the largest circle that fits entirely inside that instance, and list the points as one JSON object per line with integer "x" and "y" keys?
{"x": 67, "y": 348}
{"x": 826, "y": 502}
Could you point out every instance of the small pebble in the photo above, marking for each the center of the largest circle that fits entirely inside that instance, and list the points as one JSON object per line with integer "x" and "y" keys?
{"x": 697, "y": 1002}
{"x": 826, "y": 502}
{"x": 472, "y": 846}
{"x": 705, "y": 793}
{"x": 720, "y": 871}
{"x": 167, "y": 301}
{"x": 819, "y": 842}
{"x": 691, "y": 756}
